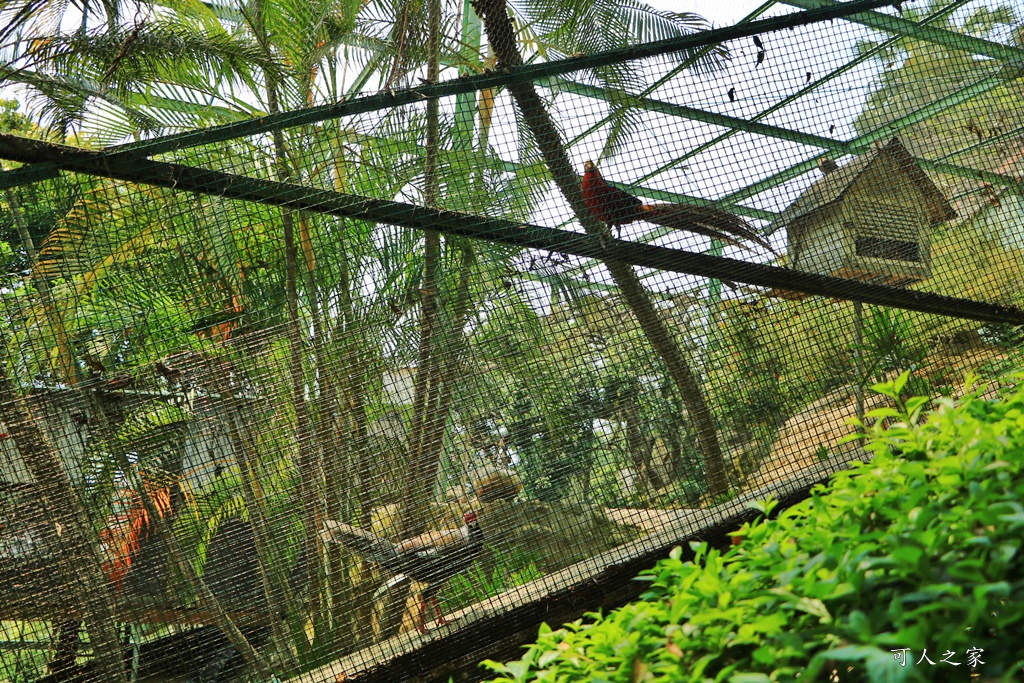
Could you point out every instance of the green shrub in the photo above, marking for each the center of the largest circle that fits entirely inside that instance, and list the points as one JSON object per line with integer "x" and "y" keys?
{"x": 918, "y": 549}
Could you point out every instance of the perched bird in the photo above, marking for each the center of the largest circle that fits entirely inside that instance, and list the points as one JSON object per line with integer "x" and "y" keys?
{"x": 826, "y": 165}
{"x": 615, "y": 207}
{"x": 171, "y": 374}
{"x": 94, "y": 363}
{"x": 431, "y": 558}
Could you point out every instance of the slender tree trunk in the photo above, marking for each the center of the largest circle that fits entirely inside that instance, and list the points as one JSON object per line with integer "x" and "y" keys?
{"x": 65, "y": 359}
{"x": 345, "y": 481}
{"x": 78, "y": 561}
{"x": 308, "y": 464}
{"x": 639, "y": 447}
{"x": 245, "y": 452}
{"x": 65, "y": 649}
{"x": 440, "y": 346}
{"x": 426, "y": 454}
{"x": 327, "y": 440}
{"x": 96, "y": 598}
{"x": 501, "y": 37}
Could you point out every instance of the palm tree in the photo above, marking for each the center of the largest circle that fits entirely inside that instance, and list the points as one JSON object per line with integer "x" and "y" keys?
{"x": 193, "y": 64}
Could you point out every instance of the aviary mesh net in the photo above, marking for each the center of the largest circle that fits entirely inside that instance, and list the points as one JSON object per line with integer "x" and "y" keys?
{"x": 243, "y": 363}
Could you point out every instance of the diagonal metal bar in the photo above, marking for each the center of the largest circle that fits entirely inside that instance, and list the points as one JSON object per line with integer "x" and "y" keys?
{"x": 929, "y": 34}
{"x": 684, "y": 112}
{"x": 754, "y": 127}
{"x": 1012, "y": 134}
{"x": 1005, "y": 75}
{"x": 273, "y": 193}
{"x": 391, "y": 100}
{"x": 807, "y": 89}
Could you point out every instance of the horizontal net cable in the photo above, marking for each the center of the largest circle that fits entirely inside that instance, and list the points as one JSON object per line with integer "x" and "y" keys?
{"x": 273, "y": 193}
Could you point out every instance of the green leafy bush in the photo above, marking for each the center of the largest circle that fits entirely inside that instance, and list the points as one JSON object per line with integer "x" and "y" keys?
{"x": 916, "y": 552}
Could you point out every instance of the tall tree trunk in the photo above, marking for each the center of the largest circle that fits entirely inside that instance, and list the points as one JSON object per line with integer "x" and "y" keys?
{"x": 309, "y": 469}
{"x": 323, "y": 430}
{"x": 242, "y": 444}
{"x": 501, "y": 37}
{"x": 78, "y": 561}
{"x": 639, "y": 447}
{"x": 308, "y": 464}
{"x": 439, "y": 345}
{"x": 65, "y": 359}
{"x": 96, "y": 597}
{"x": 345, "y": 478}
{"x": 65, "y": 647}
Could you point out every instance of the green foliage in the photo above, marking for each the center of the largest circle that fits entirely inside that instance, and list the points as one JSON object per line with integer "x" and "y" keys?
{"x": 24, "y": 666}
{"x": 510, "y": 568}
{"x": 918, "y": 549}
{"x": 759, "y": 396}
{"x": 1004, "y": 335}
{"x": 556, "y": 447}
{"x": 890, "y": 345}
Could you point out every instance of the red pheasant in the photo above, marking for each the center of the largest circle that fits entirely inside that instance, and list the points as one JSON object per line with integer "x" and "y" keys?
{"x": 616, "y": 207}
{"x": 121, "y": 539}
{"x": 431, "y": 558}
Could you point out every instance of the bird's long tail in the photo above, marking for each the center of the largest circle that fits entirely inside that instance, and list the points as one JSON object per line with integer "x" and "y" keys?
{"x": 396, "y": 580}
{"x": 705, "y": 220}
{"x": 368, "y": 545}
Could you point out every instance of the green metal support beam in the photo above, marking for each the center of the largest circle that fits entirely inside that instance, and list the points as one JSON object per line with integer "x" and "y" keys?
{"x": 273, "y": 193}
{"x": 733, "y": 123}
{"x": 1005, "y": 75}
{"x": 1011, "y": 134}
{"x": 930, "y": 34}
{"x": 684, "y": 112}
{"x": 496, "y": 79}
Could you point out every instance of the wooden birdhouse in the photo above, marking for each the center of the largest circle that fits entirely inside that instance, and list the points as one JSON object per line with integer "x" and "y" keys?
{"x": 870, "y": 219}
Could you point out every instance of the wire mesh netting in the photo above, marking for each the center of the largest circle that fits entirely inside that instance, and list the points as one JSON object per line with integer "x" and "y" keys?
{"x": 281, "y": 396}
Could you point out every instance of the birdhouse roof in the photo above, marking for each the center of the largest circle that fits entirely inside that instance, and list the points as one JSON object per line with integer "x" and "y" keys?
{"x": 834, "y": 186}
